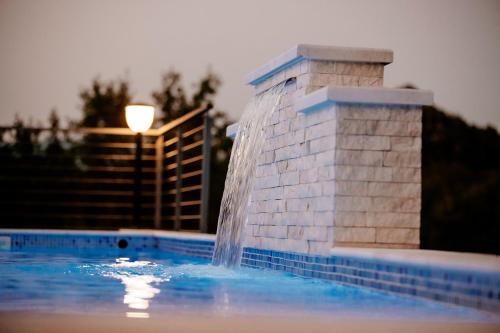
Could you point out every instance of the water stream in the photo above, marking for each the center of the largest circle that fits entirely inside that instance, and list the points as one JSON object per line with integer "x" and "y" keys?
{"x": 246, "y": 151}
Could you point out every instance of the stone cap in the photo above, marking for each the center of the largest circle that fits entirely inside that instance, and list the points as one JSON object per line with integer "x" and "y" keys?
{"x": 318, "y": 52}
{"x": 354, "y": 95}
{"x": 231, "y": 130}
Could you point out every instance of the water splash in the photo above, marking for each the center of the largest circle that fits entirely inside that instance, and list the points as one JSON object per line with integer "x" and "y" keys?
{"x": 240, "y": 175}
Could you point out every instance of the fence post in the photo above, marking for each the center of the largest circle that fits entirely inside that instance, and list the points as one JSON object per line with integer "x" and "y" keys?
{"x": 138, "y": 181}
{"x": 160, "y": 157}
{"x": 205, "y": 177}
{"x": 178, "y": 179}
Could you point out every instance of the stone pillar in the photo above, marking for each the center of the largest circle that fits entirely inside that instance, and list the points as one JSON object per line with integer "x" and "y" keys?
{"x": 342, "y": 159}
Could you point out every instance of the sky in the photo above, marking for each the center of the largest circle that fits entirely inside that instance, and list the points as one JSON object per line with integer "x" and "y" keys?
{"x": 51, "y": 49}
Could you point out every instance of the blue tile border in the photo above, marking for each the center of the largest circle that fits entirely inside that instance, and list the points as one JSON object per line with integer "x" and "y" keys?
{"x": 81, "y": 240}
{"x": 456, "y": 286}
{"x": 450, "y": 285}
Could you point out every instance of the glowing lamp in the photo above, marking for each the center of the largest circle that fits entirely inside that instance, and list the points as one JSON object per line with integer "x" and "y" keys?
{"x": 139, "y": 117}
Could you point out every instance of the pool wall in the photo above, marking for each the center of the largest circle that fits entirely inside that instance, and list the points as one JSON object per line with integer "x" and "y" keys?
{"x": 467, "y": 285}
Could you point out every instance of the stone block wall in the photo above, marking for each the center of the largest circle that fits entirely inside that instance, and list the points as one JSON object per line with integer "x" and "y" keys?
{"x": 335, "y": 173}
{"x": 314, "y": 74}
{"x": 378, "y": 180}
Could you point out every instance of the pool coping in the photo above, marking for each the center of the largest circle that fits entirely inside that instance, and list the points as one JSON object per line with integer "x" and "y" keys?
{"x": 139, "y": 232}
{"x": 488, "y": 263}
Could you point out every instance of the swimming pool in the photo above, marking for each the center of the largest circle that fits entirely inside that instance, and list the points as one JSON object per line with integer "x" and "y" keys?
{"x": 143, "y": 281}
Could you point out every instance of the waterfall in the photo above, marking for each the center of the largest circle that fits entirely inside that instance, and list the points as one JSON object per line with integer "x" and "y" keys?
{"x": 246, "y": 151}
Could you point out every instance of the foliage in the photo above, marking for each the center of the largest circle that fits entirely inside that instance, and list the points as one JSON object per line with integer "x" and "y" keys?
{"x": 172, "y": 99}
{"x": 103, "y": 103}
{"x": 460, "y": 184}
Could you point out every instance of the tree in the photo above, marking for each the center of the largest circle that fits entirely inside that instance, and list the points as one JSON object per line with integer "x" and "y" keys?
{"x": 172, "y": 100}
{"x": 460, "y": 184}
{"x": 103, "y": 103}
{"x": 54, "y": 145}
{"x": 25, "y": 138}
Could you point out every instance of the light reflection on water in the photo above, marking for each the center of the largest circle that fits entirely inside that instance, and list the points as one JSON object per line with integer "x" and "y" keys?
{"x": 142, "y": 280}
{"x": 138, "y": 288}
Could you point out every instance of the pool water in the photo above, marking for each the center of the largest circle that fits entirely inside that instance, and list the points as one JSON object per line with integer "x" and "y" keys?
{"x": 149, "y": 283}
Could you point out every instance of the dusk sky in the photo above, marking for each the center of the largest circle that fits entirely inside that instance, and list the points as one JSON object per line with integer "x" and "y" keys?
{"x": 51, "y": 49}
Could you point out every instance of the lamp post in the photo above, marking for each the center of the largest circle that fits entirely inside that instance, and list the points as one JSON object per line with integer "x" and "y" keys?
{"x": 139, "y": 119}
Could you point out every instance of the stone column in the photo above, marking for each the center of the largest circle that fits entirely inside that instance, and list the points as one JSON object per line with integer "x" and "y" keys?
{"x": 341, "y": 164}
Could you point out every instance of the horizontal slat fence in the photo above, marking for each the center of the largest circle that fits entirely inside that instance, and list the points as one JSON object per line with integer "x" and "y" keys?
{"x": 84, "y": 178}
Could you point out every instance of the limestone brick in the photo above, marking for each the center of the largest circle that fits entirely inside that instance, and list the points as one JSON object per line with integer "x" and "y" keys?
{"x": 323, "y": 203}
{"x": 320, "y": 116}
{"x": 353, "y": 203}
{"x": 273, "y": 231}
{"x": 360, "y": 173}
{"x": 351, "y": 126}
{"x": 289, "y": 178}
{"x": 363, "y": 112}
{"x": 321, "y": 248}
{"x": 325, "y": 158}
{"x": 397, "y": 235}
{"x": 323, "y": 219}
{"x": 406, "y": 175}
{"x": 405, "y": 143}
{"x": 268, "y": 193}
{"x": 397, "y": 190}
{"x": 371, "y": 81}
{"x": 408, "y": 113}
{"x": 325, "y": 128}
{"x": 329, "y": 187}
{"x": 266, "y": 182}
{"x": 350, "y": 142}
{"x": 381, "y": 127}
{"x": 326, "y": 173}
{"x": 295, "y": 232}
{"x": 310, "y": 161}
{"x": 351, "y": 219}
{"x": 281, "y": 127}
{"x": 298, "y": 205}
{"x": 415, "y": 128}
{"x": 403, "y": 159}
{"x": 362, "y": 157}
{"x": 301, "y": 218}
{"x": 352, "y": 188}
{"x": 322, "y": 144}
{"x": 266, "y": 170}
{"x": 321, "y": 66}
{"x": 376, "y": 142}
{"x": 399, "y": 205}
{"x": 292, "y": 245}
{"x": 357, "y": 234}
{"x": 309, "y": 176}
{"x": 389, "y": 219}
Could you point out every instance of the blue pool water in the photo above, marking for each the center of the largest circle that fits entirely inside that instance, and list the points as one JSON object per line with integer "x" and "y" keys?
{"x": 149, "y": 283}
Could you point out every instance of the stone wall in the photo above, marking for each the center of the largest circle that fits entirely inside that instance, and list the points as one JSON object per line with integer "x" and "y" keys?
{"x": 377, "y": 169}
{"x": 333, "y": 171}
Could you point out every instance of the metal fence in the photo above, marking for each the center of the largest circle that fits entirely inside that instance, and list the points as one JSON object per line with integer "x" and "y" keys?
{"x": 84, "y": 178}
